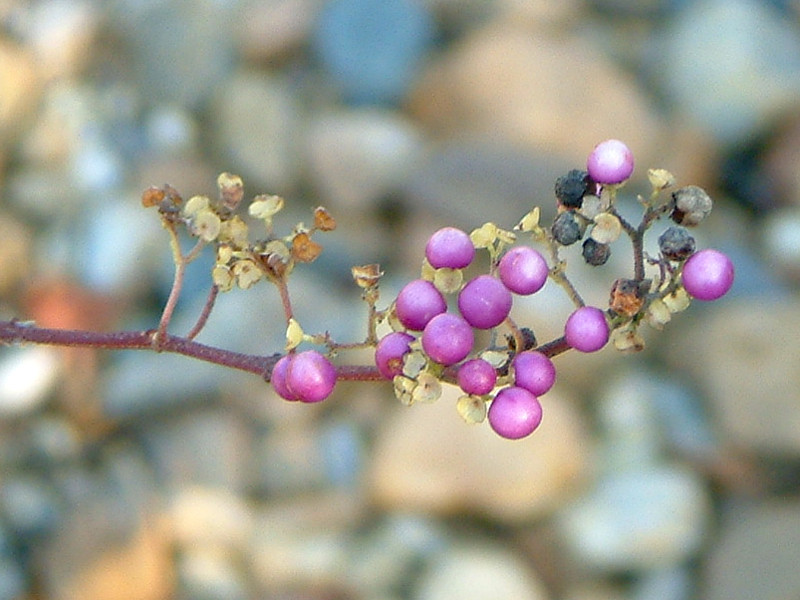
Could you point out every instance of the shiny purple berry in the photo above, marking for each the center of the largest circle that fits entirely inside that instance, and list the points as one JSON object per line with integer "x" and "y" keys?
{"x": 610, "y": 162}
{"x": 586, "y": 329}
{"x": 477, "y": 377}
{"x": 515, "y": 413}
{"x": 390, "y": 351}
{"x": 484, "y": 302}
{"x": 451, "y": 248}
{"x": 310, "y": 376}
{"x": 708, "y": 274}
{"x": 278, "y": 378}
{"x": 417, "y": 303}
{"x": 523, "y": 270}
{"x": 534, "y": 372}
{"x": 447, "y": 339}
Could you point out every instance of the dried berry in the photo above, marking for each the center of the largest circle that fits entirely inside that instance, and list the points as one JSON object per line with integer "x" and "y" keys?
{"x": 676, "y": 243}
{"x": 692, "y": 205}
{"x": 567, "y": 228}
{"x": 595, "y": 253}
{"x": 627, "y": 296}
{"x": 571, "y": 188}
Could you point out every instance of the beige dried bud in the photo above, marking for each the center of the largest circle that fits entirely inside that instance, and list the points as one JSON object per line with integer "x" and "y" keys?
{"x": 231, "y": 190}
{"x": 265, "y": 206}
{"x": 660, "y": 179}
{"x": 472, "y": 409}
{"x": 427, "y": 390}
{"x": 223, "y": 278}
{"x": 606, "y": 229}
{"x": 246, "y": 272}
{"x": 294, "y": 334}
{"x": 448, "y": 281}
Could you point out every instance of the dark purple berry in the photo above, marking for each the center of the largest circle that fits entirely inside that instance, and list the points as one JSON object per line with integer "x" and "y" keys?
{"x": 572, "y": 187}
{"x": 567, "y": 228}
{"x": 676, "y": 243}
{"x": 595, "y": 253}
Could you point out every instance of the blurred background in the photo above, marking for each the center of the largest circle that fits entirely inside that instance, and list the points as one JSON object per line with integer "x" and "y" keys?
{"x": 673, "y": 474}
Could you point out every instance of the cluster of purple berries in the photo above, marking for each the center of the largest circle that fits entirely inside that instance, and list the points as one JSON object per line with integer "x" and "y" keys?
{"x": 448, "y": 337}
{"x": 443, "y": 338}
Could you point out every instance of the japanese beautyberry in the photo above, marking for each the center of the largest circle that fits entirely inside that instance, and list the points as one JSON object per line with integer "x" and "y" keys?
{"x": 586, "y": 329}
{"x": 708, "y": 274}
{"x": 610, "y": 162}
{"x": 449, "y": 248}
{"x": 515, "y": 413}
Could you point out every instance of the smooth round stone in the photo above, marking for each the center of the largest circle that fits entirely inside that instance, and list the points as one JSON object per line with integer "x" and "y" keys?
{"x": 638, "y": 519}
{"x": 755, "y": 554}
{"x": 26, "y": 377}
{"x": 373, "y": 50}
{"x": 747, "y": 362}
{"x": 444, "y": 481}
{"x": 359, "y": 156}
{"x": 713, "y": 43}
{"x": 479, "y": 572}
{"x": 256, "y": 121}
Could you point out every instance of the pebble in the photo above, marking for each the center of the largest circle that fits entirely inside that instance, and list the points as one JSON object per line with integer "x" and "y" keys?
{"x": 479, "y": 571}
{"x": 211, "y": 518}
{"x": 269, "y": 31}
{"x": 525, "y": 77}
{"x": 27, "y": 375}
{"x": 20, "y": 88}
{"x": 744, "y": 359}
{"x": 389, "y": 554}
{"x": 427, "y": 459}
{"x": 372, "y": 51}
{"x": 208, "y": 575}
{"x": 256, "y": 122}
{"x": 177, "y": 51}
{"x": 755, "y": 553}
{"x": 30, "y": 507}
{"x": 638, "y": 519}
{"x": 359, "y": 156}
{"x": 711, "y": 44}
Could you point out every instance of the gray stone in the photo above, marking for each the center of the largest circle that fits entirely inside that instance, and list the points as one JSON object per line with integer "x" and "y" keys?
{"x": 257, "y": 128}
{"x": 638, "y": 519}
{"x": 755, "y": 554}
{"x": 731, "y": 65}
{"x": 359, "y": 156}
{"x": 744, "y": 358}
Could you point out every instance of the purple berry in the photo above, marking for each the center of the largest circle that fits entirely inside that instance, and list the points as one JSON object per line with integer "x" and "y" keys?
{"x": 708, "y": 274}
{"x": 534, "y": 372}
{"x": 515, "y": 413}
{"x": 447, "y": 339}
{"x": 586, "y": 329}
{"x": 451, "y": 248}
{"x": 278, "y": 378}
{"x": 523, "y": 270}
{"x": 484, "y": 302}
{"x": 310, "y": 376}
{"x": 477, "y": 377}
{"x": 417, "y": 303}
{"x": 390, "y": 351}
{"x": 610, "y": 162}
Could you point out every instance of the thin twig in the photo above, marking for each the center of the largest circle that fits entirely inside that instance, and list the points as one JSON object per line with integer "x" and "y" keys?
{"x": 209, "y": 306}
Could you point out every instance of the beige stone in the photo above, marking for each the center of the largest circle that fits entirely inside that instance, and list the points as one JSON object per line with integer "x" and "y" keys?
{"x": 428, "y": 459}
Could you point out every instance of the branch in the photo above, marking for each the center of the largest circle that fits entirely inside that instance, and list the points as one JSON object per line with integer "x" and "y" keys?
{"x": 14, "y": 332}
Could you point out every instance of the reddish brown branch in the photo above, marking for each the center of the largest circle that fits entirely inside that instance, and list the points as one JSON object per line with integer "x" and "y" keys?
{"x": 13, "y": 332}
